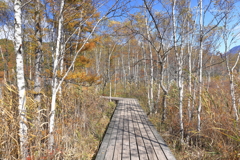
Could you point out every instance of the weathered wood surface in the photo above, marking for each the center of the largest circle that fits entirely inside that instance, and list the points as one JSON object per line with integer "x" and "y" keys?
{"x": 131, "y": 136}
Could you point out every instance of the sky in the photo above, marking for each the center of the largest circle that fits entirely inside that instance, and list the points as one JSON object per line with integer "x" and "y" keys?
{"x": 194, "y": 5}
{"x": 132, "y": 9}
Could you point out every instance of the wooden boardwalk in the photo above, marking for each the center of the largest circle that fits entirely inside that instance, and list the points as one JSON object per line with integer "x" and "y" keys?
{"x": 131, "y": 136}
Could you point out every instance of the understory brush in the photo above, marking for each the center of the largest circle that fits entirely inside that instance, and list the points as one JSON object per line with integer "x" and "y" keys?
{"x": 219, "y": 137}
{"x": 81, "y": 120}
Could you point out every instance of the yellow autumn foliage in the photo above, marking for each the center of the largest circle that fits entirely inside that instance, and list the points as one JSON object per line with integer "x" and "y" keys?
{"x": 83, "y": 78}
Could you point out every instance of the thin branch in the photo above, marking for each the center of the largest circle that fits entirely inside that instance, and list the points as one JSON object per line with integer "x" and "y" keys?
{"x": 26, "y": 3}
{"x": 85, "y": 41}
{"x": 236, "y": 61}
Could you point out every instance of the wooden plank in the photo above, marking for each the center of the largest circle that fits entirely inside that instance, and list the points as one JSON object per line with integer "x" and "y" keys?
{"x": 132, "y": 136}
{"x": 167, "y": 152}
{"x": 140, "y": 143}
{"x": 118, "y": 146}
{"x": 105, "y": 142}
{"x": 110, "y": 149}
{"x": 148, "y": 145}
{"x": 126, "y": 139}
{"x": 155, "y": 146}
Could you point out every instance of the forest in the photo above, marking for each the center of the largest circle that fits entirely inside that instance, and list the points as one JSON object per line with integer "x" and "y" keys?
{"x": 179, "y": 58}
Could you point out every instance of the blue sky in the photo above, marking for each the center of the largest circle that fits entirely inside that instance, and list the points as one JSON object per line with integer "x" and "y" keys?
{"x": 132, "y": 8}
{"x": 194, "y": 5}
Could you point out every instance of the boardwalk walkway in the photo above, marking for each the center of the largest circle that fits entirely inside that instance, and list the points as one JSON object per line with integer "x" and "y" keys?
{"x": 131, "y": 136}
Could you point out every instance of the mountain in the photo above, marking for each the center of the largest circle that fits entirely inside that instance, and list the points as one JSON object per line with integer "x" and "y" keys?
{"x": 234, "y": 50}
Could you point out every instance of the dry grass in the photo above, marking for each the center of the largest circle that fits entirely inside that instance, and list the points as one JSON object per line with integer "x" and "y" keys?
{"x": 81, "y": 119}
{"x": 220, "y": 135}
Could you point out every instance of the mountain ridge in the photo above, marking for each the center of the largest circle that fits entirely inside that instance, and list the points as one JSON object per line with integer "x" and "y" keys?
{"x": 234, "y": 50}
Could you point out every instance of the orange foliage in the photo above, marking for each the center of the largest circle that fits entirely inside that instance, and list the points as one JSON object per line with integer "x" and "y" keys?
{"x": 82, "y": 61}
{"x": 83, "y": 78}
{"x": 88, "y": 46}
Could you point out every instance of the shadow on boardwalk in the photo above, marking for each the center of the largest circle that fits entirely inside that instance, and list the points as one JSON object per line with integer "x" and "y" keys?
{"x": 130, "y": 135}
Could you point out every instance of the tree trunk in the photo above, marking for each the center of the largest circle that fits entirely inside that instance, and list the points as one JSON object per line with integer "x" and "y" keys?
{"x": 227, "y": 34}
{"x": 129, "y": 61}
{"x": 54, "y": 80}
{"x": 179, "y": 57}
{"x": 38, "y": 57}
{"x": 200, "y": 69}
{"x": 158, "y": 90}
{"x": 109, "y": 76}
{"x": 232, "y": 87}
{"x": 109, "y": 70}
{"x": 151, "y": 101}
{"x": 124, "y": 74}
{"x": 165, "y": 93}
{"x": 189, "y": 51}
{"x": 62, "y": 54}
{"x": 23, "y": 129}
{"x": 136, "y": 74}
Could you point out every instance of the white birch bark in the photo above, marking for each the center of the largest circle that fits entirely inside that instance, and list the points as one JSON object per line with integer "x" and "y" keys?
{"x": 146, "y": 78}
{"x": 124, "y": 73}
{"x": 23, "y": 129}
{"x": 151, "y": 101}
{"x": 159, "y": 88}
{"x": 231, "y": 77}
{"x": 136, "y": 74}
{"x": 145, "y": 65}
{"x": 109, "y": 70}
{"x": 162, "y": 49}
{"x": 62, "y": 54}
{"x": 227, "y": 34}
{"x": 38, "y": 56}
{"x": 200, "y": 68}
{"x": 194, "y": 90}
{"x": 129, "y": 61}
{"x": 179, "y": 57}
{"x": 232, "y": 87}
{"x": 165, "y": 93}
{"x": 189, "y": 51}
{"x": 55, "y": 84}
{"x": 54, "y": 80}
{"x": 109, "y": 76}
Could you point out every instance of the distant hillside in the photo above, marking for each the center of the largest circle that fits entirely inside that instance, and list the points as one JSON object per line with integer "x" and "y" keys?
{"x": 234, "y": 50}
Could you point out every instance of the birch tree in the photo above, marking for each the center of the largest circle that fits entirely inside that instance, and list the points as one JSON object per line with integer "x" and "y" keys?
{"x": 203, "y": 32}
{"x": 160, "y": 21}
{"x": 191, "y": 27}
{"x": 200, "y": 65}
{"x": 54, "y": 79}
{"x": 23, "y": 129}
{"x": 179, "y": 57}
{"x": 150, "y": 88}
{"x": 38, "y": 56}
{"x": 229, "y": 36}
{"x": 77, "y": 32}
{"x": 110, "y": 52}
